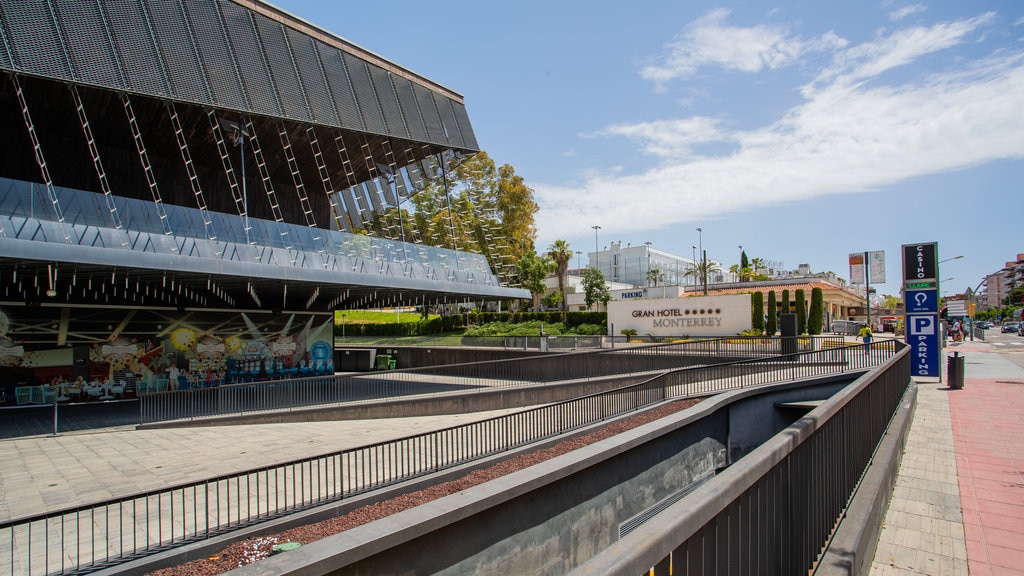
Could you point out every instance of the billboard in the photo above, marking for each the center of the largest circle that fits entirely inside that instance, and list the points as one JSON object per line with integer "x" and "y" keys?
{"x": 875, "y": 267}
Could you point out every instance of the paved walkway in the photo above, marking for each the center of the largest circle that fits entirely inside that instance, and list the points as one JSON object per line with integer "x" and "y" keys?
{"x": 958, "y": 504}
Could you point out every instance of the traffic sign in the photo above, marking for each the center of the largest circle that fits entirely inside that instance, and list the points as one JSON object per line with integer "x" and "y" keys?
{"x": 923, "y": 339}
{"x": 921, "y": 301}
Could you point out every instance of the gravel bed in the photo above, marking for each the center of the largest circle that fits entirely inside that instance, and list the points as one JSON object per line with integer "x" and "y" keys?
{"x": 254, "y": 549}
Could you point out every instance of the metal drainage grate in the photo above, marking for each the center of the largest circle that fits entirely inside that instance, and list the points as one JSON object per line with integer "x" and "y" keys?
{"x": 635, "y": 522}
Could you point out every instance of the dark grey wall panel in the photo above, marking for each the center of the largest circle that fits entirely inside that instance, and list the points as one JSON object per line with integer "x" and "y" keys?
{"x": 251, "y": 65}
{"x": 388, "y": 102}
{"x": 428, "y": 109}
{"x": 451, "y": 127}
{"x": 217, "y": 60}
{"x": 130, "y": 28}
{"x": 34, "y": 39}
{"x": 88, "y": 43}
{"x": 178, "y": 51}
{"x": 341, "y": 87}
{"x": 217, "y": 53}
{"x": 282, "y": 69}
{"x": 373, "y": 118}
{"x": 307, "y": 60}
{"x": 465, "y": 128}
{"x": 410, "y": 108}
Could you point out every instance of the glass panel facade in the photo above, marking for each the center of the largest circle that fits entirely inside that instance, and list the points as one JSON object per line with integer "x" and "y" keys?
{"x": 29, "y": 215}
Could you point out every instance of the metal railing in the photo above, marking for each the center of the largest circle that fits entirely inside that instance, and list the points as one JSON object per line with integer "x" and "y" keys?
{"x": 253, "y": 397}
{"x": 774, "y": 510}
{"x": 88, "y": 538}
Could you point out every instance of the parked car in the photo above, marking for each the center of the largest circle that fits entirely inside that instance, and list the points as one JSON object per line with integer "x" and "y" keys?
{"x": 1010, "y": 326}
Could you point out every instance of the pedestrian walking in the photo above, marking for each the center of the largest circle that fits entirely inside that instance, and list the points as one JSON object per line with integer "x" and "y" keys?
{"x": 865, "y": 335}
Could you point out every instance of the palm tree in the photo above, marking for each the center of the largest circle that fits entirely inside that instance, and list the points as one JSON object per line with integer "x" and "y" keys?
{"x": 757, "y": 263}
{"x": 702, "y": 270}
{"x": 560, "y": 253}
{"x": 654, "y": 276}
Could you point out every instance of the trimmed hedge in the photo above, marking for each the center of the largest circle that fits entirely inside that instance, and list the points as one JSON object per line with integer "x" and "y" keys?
{"x": 457, "y": 322}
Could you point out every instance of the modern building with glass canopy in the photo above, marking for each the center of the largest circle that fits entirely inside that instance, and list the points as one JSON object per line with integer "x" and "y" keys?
{"x": 212, "y": 164}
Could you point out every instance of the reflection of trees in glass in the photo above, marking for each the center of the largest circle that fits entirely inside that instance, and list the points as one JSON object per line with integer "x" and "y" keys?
{"x": 478, "y": 207}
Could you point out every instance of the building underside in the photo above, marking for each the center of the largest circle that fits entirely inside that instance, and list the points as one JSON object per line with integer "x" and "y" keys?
{"x": 217, "y": 164}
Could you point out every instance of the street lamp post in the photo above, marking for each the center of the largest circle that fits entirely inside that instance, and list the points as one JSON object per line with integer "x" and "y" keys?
{"x": 693, "y": 261}
{"x": 741, "y": 261}
{"x": 597, "y": 257}
{"x": 703, "y": 258}
{"x": 578, "y": 254}
{"x": 648, "y": 254}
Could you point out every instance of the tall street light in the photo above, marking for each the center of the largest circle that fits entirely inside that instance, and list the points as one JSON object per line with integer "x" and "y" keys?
{"x": 703, "y": 260}
{"x": 648, "y": 254}
{"x": 741, "y": 260}
{"x": 694, "y": 265}
{"x": 597, "y": 257}
{"x": 578, "y": 254}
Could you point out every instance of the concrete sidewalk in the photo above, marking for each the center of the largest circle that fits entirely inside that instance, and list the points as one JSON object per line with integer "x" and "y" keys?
{"x": 958, "y": 504}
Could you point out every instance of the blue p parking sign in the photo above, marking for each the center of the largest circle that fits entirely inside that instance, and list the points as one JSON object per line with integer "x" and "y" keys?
{"x": 923, "y": 338}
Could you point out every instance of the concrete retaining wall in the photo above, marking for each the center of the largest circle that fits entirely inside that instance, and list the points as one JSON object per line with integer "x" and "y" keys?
{"x": 552, "y": 516}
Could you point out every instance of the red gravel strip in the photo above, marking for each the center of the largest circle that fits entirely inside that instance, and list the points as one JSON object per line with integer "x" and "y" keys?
{"x": 254, "y": 549}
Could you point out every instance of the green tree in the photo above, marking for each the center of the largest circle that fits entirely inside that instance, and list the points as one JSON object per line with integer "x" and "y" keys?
{"x": 533, "y": 270}
{"x": 756, "y": 264}
{"x": 891, "y": 302}
{"x": 773, "y": 311}
{"x": 595, "y": 288}
{"x": 816, "y": 319}
{"x": 551, "y": 301}
{"x": 560, "y": 253}
{"x": 801, "y": 312}
{"x": 757, "y": 314}
{"x": 784, "y": 307}
{"x": 1014, "y": 298}
{"x": 654, "y": 275}
{"x": 701, "y": 271}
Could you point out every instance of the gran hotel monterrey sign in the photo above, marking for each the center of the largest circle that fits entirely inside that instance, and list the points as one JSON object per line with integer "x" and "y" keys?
{"x": 694, "y": 316}
{"x": 921, "y": 297}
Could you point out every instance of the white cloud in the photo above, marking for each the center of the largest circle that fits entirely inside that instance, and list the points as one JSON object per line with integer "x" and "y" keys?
{"x": 902, "y": 13}
{"x": 846, "y": 136}
{"x": 708, "y": 42}
{"x": 669, "y": 138}
{"x": 899, "y": 49}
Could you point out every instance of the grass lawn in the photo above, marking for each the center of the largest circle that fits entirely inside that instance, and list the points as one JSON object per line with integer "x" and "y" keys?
{"x": 378, "y": 316}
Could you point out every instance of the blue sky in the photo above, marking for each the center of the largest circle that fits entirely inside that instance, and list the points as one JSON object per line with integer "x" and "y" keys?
{"x": 800, "y": 130}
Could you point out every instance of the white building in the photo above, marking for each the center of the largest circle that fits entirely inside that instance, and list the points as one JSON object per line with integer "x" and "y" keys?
{"x": 630, "y": 264}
